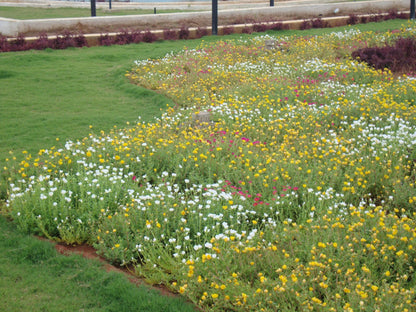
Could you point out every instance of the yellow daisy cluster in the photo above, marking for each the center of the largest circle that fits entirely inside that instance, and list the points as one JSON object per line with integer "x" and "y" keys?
{"x": 298, "y": 193}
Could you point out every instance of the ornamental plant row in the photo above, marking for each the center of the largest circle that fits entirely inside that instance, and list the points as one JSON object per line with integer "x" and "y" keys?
{"x": 69, "y": 39}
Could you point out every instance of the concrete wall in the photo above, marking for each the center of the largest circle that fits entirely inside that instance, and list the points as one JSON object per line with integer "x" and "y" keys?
{"x": 11, "y": 28}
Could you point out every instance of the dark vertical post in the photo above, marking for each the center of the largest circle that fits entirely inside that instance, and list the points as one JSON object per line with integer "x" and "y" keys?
{"x": 214, "y": 17}
{"x": 93, "y": 10}
{"x": 271, "y": 2}
{"x": 154, "y": 10}
{"x": 412, "y": 9}
{"x": 109, "y": 4}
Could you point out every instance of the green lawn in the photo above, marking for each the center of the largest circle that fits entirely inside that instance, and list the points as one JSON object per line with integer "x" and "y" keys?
{"x": 59, "y": 94}
{"x": 34, "y": 277}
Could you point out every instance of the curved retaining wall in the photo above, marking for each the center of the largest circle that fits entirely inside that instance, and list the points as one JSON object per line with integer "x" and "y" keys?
{"x": 101, "y": 24}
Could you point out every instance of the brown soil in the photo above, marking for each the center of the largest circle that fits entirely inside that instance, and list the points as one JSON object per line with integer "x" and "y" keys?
{"x": 89, "y": 252}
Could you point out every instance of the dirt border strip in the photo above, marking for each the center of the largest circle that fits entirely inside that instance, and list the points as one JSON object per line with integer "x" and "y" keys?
{"x": 90, "y": 253}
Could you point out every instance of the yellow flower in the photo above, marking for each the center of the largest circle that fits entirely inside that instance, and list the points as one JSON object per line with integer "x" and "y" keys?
{"x": 316, "y": 300}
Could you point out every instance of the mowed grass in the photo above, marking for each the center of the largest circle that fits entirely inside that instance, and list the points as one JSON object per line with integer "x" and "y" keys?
{"x": 59, "y": 94}
{"x": 34, "y": 277}
{"x": 24, "y": 13}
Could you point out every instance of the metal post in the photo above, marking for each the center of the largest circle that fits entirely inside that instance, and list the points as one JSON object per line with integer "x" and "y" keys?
{"x": 109, "y": 4}
{"x": 214, "y": 17}
{"x": 412, "y": 9}
{"x": 271, "y": 2}
{"x": 154, "y": 10}
{"x": 93, "y": 10}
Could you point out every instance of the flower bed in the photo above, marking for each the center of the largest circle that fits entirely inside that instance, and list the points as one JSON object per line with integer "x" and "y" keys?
{"x": 298, "y": 194}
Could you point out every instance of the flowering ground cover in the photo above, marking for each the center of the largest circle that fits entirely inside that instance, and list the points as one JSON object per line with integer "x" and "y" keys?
{"x": 299, "y": 194}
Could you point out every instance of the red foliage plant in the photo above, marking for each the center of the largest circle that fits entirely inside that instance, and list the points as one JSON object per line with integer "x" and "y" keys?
{"x": 399, "y": 58}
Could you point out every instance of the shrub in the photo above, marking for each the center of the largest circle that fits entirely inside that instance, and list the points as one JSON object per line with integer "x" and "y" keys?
{"x": 403, "y": 15}
{"x": 364, "y": 20}
{"x": 395, "y": 15}
{"x": 201, "y": 32}
{"x": 4, "y": 44}
{"x": 228, "y": 30}
{"x": 41, "y": 43}
{"x": 65, "y": 40}
{"x": 306, "y": 24}
{"x": 184, "y": 32}
{"x": 80, "y": 41}
{"x": 62, "y": 41}
{"x": 105, "y": 40}
{"x": 148, "y": 36}
{"x": 19, "y": 44}
{"x": 401, "y": 57}
{"x": 123, "y": 37}
{"x": 277, "y": 26}
{"x": 169, "y": 34}
{"x": 319, "y": 23}
{"x": 391, "y": 15}
{"x": 127, "y": 37}
{"x": 136, "y": 36}
{"x": 352, "y": 19}
{"x": 259, "y": 27}
{"x": 376, "y": 17}
{"x": 247, "y": 30}
{"x": 57, "y": 43}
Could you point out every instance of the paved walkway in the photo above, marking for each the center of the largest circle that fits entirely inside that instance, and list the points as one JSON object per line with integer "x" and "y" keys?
{"x": 191, "y": 5}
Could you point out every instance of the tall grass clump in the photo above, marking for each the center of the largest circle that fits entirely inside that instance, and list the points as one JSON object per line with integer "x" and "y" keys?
{"x": 298, "y": 193}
